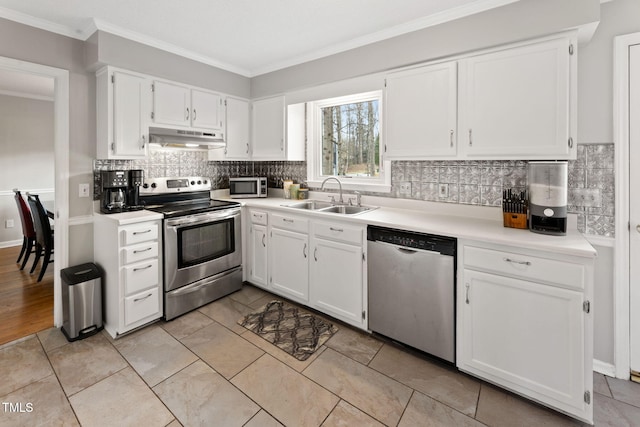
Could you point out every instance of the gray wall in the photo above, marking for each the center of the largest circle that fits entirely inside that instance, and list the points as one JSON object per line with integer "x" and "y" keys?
{"x": 517, "y": 21}
{"x": 42, "y": 47}
{"x": 595, "y": 71}
{"x": 108, "y": 49}
{"x": 26, "y": 143}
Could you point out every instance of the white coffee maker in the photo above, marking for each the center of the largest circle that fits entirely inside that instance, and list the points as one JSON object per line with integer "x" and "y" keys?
{"x": 548, "y": 197}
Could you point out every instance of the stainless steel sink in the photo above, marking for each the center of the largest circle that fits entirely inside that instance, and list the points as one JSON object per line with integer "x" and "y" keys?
{"x": 311, "y": 205}
{"x": 328, "y": 207}
{"x": 347, "y": 209}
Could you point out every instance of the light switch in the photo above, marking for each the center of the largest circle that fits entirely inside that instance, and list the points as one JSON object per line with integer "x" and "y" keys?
{"x": 83, "y": 190}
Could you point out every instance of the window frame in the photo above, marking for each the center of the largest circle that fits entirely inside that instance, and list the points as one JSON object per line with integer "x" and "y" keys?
{"x": 381, "y": 183}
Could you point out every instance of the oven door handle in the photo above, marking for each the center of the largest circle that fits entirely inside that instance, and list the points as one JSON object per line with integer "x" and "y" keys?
{"x": 203, "y": 218}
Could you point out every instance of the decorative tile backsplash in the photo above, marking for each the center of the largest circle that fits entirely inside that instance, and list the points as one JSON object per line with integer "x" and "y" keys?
{"x": 591, "y": 179}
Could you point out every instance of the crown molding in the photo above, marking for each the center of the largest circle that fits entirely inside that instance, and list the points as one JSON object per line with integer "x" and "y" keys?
{"x": 398, "y": 30}
{"x": 42, "y": 24}
{"x": 415, "y": 25}
{"x": 168, "y": 47}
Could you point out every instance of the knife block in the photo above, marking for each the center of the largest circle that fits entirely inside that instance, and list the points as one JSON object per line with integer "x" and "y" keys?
{"x": 514, "y": 220}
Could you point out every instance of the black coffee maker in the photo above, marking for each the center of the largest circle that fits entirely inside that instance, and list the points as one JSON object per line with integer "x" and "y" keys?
{"x": 115, "y": 185}
{"x": 136, "y": 179}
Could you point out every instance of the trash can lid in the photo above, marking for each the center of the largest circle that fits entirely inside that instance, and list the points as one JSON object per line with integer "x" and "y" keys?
{"x": 80, "y": 273}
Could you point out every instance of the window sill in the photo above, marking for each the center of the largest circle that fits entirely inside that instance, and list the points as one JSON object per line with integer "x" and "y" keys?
{"x": 351, "y": 185}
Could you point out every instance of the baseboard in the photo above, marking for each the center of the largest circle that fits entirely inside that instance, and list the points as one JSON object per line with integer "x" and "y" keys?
{"x": 604, "y": 368}
{"x": 10, "y": 243}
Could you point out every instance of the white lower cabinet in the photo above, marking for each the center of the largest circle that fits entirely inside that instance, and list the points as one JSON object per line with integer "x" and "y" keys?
{"x": 288, "y": 260}
{"x": 315, "y": 262}
{"x": 530, "y": 335}
{"x": 258, "y": 249}
{"x": 336, "y": 272}
{"x": 130, "y": 257}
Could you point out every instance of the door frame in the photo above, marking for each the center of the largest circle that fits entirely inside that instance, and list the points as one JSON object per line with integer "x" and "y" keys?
{"x": 622, "y": 302}
{"x": 61, "y": 166}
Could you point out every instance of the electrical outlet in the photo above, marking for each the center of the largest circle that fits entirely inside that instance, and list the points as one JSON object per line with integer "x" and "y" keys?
{"x": 405, "y": 188}
{"x": 83, "y": 190}
{"x": 8, "y": 223}
{"x": 443, "y": 191}
{"x": 588, "y": 197}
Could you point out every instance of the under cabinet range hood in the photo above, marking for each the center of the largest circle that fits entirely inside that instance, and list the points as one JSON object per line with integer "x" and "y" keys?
{"x": 167, "y": 137}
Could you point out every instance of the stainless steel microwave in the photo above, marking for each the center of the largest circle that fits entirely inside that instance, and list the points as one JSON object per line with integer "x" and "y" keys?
{"x": 247, "y": 187}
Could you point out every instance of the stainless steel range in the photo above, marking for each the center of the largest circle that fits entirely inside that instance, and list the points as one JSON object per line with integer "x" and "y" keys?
{"x": 201, "y": 239}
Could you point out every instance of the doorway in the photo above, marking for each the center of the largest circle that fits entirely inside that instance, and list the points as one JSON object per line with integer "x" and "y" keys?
{"x": 61, "y": 166}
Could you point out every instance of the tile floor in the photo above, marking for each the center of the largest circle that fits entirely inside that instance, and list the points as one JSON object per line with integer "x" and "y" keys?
{"x": 204, "y": 369}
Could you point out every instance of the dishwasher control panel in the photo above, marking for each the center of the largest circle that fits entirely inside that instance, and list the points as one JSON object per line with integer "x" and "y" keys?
{"x": 409, "y": 239}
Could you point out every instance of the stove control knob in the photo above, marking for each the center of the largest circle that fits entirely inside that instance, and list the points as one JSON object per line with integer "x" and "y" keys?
{"x": 193, "y": 183}
{"x": 199, "y": 182}
{"x": 145, "y": 185}
{"x": 153, "y": 185}
{"x": 204, "y": 182}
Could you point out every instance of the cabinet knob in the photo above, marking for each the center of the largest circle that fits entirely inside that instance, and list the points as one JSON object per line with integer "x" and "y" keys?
{"x": 638, "y": 228}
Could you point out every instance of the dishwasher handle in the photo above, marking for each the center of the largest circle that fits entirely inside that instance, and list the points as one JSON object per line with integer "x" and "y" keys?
{"x": 407, "y": 250}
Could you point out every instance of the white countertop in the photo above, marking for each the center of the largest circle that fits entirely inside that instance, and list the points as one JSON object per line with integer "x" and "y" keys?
{"x": 125, "y": 218}
{"x": 481, "y": 227}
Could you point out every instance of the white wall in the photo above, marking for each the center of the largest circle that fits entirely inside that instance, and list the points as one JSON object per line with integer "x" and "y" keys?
{"x": 27, "y": 160}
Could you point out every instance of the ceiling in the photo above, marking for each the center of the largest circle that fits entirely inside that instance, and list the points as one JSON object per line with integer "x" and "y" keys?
{"x": 248, "y": 37}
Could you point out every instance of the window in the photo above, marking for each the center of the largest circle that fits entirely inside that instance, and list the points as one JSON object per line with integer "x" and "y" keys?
{"x": 344, "y": 141}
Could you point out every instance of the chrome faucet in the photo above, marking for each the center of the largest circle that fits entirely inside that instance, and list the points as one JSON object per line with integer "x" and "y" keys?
{"x": 341, "y": 201}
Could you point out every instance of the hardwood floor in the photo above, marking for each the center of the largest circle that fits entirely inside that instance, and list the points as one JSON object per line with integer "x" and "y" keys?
{"x": 26, "y": 306}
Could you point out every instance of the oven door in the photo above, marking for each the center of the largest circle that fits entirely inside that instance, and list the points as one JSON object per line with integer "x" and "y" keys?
{"x": 201, "y": 245}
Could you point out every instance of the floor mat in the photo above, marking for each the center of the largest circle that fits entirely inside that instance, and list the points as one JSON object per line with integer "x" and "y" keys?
{"x": 295, "y": 331}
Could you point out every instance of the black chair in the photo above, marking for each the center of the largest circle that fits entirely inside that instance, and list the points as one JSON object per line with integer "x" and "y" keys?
{"x": 28, "y": 232}
{"x": 44, "y": 234}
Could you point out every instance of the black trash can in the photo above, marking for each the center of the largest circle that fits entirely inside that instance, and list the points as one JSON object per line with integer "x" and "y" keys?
{"x": 81, "y": 301}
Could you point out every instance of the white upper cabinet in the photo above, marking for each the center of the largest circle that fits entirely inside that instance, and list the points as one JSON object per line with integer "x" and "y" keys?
{"x": 123, "y": 106}
{"x": 517, "y": 103}
{"x": 420, "y": 112}
{"x": 267, "y": 129}
{"x": 237, "y": 115}
{"x": 179, "y": 105}
{"x": 171, "y": 104}
{"x": 207, "y": 110}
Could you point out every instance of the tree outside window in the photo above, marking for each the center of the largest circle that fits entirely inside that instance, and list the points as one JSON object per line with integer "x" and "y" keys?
{"x": 351, "y": 139}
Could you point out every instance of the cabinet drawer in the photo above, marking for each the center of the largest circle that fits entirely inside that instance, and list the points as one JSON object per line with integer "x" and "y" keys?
{"x": 290, "y": 223}
{"x": 139, "y": 233}
{"x": 338, "y": 232}
{"x": 140, "y": 306}
{"x": 139, "y": 252}
{"x": 526, "y": 266}
{"x": 140, "y": 276}
{"x": 257, "y": 217}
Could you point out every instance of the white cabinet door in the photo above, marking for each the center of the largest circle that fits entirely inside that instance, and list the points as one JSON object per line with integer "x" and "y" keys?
{"x": 258, "y": 251}
{"x": 237, "y": 129}
{"x": 421, "y": 112}
{"x": 206, "y": 110}
{"x": 289, "y": 267}
{"x": 516, "y": 103}
{"x": 267, "y": 129}
{"x": 526, "y": 336}
{"x": 336, "y": 280}
{"x": 171, "y": 104}
{"x": 131, "y": 109}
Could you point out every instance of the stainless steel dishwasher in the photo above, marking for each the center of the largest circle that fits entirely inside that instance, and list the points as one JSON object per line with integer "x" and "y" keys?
{"x": 412, "y": 289}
